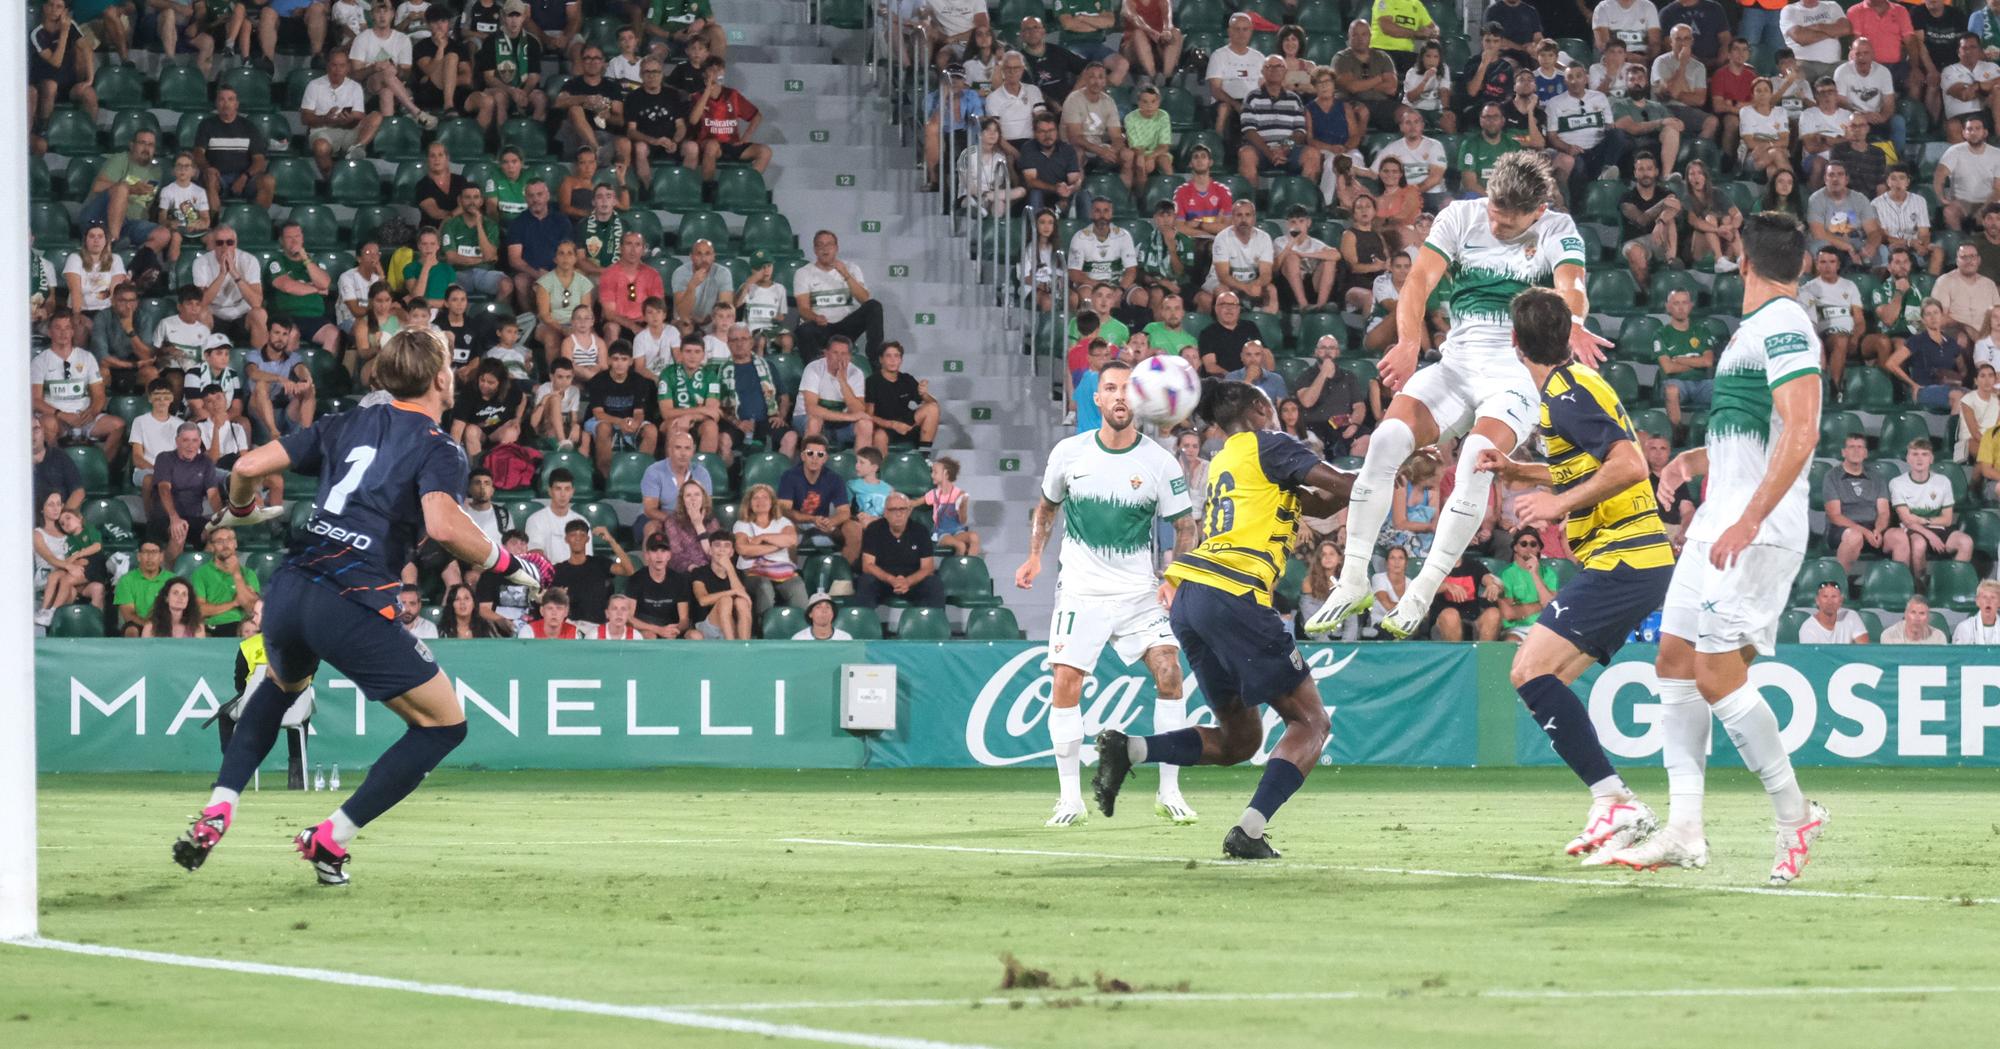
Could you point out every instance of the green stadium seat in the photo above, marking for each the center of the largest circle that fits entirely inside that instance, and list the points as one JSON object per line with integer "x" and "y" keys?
{"x": 1952, "y": 584}
{"x": 1202, "y": 136}
{"x": 302, "y": 488}
{"x": 368, "y": 218}
{"x": 577, "y": 463}
{"x": 842, "y": 463}
{"x": 764, "y": 468}
{"x": 1984, "y": 525}
{"x": 600, "y": 515}
{"x": 1565, "y": 569}
{"x": 82, "y": 171}
{"x": 94, "y": 468}
{"x": 923, "y": 624}
{"x": 113, "y": 520}
{"x": 1789, "y": 624}
{"x": 786, "y": 370}
{"x": 676, "y": 189}
{"x": 742, "y": 191}
{"x": 992, "y": 624}
{"x": 399, "y": 139}
{"x": 1297, "y": 370}
{"x": 462, "y": 138}
{"x": 1726, "y": 294}
{"x": 354, "y": 182}
{"x": 526, "y": 135}
{"x": 131, "y": 122}
{"x": 724, "y": 488}
{"x": 1600, "y": 202}
{"x": 702, "y": 225}
{"x": 647, "y": 224}
{"x": 967, "y": 583}
{"x": 770, "y": 232}
{"x": 70, "y": 133}
{"x": 1886, "y": 584}
{"x": 50, "y": 223}
{"x": 329, "y": 378}
{"x": 127, "y": 406}
{"x": 1202, "y": 16}
{"x": 251, "y": 223}
{"x": 726, "y": 513}
{"x": 322, "y": 228}
{"x": 79, "y": 620}
{"x": 1814, "y": 572}
{"x": 1270, "y": 329}
{"x": 1635, "y": 339}
{"x": 265, "y": 562}
{"x": 821, "y": 572}
{"x": 1652, "y": 420}
{"x": 1283, "y": 191}
{"x": 1613, "y": 291}
{"x": 1623, "y": 379}
{"x": 1883, "y": 470}
{"x": 277, "y": 131}
{"x": 296, "y": 179}
{"x": 860, "y": 622}
{"x": 183, "y": 89}
{"x": 253, "y": 89}
{"x": 908, "y": 473}
{"x": 1666, "y": 279}
{"x": 1833, "y": 430}
{"x": 120, "y": 87}
{"x": 628, "y": 469}
{"x": 1899, "y": 429}
{"x": 782, "y": 621}
{"x": 189, "y": 561}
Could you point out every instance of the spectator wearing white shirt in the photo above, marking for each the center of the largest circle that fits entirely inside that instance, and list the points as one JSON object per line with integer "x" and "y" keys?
{"x": 351, "y": 296}
{"x": 1915, "y": 627}
{"x": 819, "y": 620}
{"x": 232, "y": 288}
{"x": 545, "y": 526}
{"x": 68, "y": 391}
{"x": 1822, "y": 125}
{"x": 1968, "y": 175}
{"x": 1830, "y": 623}
{"x": 833, "y": 299}
{"x": 1866, "y": 87}
{"x": 1013, "y": 103}
{"x": 1423, "y": 158}
{"x": 1905, "y": 221}
{"x": 1102, "y": 253}
{"x": 1634, "y": 23}
{"x": 1967, "y": 295}
{"x": 831, "y": 400}
{"x": 335, "y": 112}
{"x": 1835, "y": 303}
{"x": 1579, "y": 127}
{"x": 1233, "y": 72}
{"x": 1243, "y": 260}
{"x": 1981, "y": 627}
{"x": 410, "y": 614}
{"x": 1926, "y": 515}
{"x": 1813, "y": 30}
{"x": 381, "y": 55}
{"x": 1970, "y": 85}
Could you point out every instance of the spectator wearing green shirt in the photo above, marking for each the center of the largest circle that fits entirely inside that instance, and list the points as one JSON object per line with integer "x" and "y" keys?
{"x": 137, "y": 589}
{"x": 1085, "y": 23}
{"x": 678, "y": 21}
{"x": 1149, "y": 134}
{"x": 428, "y": 274}
{"x": 226, "y": 587}
{"x": 1526, "y": 585}
{"x": 299, "y": 288}
{"x": 470, "y": 240}
{"x": 1481, "y": 150}
{"x": 122, "y": 195}
{"x": 1896, "y": 306}
{"x": 1165, "y": 253}
{"x": 691, "y": 396}
{"x": 601, "y": 232}
{"x": 507, "y": 188}
{"x": 1686, "y": 355}
{"x": 1165, "y": 334}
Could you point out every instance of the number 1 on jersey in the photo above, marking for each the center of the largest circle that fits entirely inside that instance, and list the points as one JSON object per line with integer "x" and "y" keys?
{"x": 358, "y": 461}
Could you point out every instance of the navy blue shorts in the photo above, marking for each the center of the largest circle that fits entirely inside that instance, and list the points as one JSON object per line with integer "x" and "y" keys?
{"x": 305, "y": 622}
{"x": 1597, "y": 610}
{"x": 1241, "y": 652}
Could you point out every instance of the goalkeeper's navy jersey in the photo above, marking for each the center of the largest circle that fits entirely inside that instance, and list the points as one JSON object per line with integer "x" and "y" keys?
{"x": 375, "y": 465}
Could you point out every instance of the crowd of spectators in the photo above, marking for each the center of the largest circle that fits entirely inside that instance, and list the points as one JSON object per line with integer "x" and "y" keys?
{"x": 175, "y": 334}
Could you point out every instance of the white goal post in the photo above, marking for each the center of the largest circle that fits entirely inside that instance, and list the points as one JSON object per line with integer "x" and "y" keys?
{"x": 17, "y": 627}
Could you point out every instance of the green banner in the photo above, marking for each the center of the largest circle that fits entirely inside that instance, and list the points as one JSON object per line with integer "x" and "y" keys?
{"x": 970, "y": 705}
{"x": 128, "y": 705}
{"x": 1836, "y": 705}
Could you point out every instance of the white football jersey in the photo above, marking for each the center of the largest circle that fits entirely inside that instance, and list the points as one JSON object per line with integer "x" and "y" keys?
{"x": 1110, "y": 500}
{"x": 1774, "y": 344}
{"x": 1484, "y": 273}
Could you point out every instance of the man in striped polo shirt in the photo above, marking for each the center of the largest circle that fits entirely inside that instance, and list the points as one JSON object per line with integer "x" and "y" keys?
{"x": 1274, "y": 126}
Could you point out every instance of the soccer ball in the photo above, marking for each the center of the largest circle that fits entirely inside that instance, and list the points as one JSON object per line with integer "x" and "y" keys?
{"x": 1164, "y": 391}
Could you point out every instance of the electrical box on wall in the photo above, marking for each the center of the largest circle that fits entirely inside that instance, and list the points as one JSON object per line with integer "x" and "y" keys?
{"x": 867, "y": 697}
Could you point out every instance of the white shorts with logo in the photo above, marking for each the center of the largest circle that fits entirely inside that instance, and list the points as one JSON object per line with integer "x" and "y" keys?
{"x": 1082, "y": 626}
{"x": 1723, "y": 609}
{"x": 1477, "y": 385}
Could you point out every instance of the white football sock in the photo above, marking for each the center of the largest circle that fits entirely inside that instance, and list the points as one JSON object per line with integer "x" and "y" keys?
{"x": 1168, "y": 715}
{"x": 1252, "y": 823}
{"x": 222, "y": 796}
{"x": 1457, "y": 522}
{"x": 1754, "y": 729}
{"x": 1066, "y": 732}
{"x": 1612, "y": 786}
{"x": 1686, "y": 724}
{"x": 1369, "y": 500}
{"x": 344, "y": 829}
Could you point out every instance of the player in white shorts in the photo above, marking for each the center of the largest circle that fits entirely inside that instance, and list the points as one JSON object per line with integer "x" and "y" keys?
{"x": 1745, "y": 544}
{"x": 1490, "y": 249}
{"x": 1111, "y": 485}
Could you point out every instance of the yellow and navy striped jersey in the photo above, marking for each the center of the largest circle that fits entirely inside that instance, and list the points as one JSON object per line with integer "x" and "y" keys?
{"x": 1251, "y": 515}
{"x": 1581, "y": 422}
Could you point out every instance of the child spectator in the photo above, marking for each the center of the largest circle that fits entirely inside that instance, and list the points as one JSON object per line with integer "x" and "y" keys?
{"x": 869, "y": 493}
{"x": 559, "y": 407}
{"x": 507, "y": 349}
{"x": 721, "y": 606}
{"x": 950, "y": 509}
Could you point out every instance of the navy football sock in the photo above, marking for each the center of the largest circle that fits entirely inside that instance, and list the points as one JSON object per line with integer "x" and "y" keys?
{"x": 256, "y": 732}
{"x": 1179, "y": 747}
{"x": 1281, "y": 780}
{"x": 400, "y": 769}
{"x": 1563, "y": 717}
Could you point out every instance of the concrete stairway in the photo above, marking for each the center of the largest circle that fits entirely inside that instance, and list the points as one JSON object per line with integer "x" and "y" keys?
{"x": 838, "y": 165}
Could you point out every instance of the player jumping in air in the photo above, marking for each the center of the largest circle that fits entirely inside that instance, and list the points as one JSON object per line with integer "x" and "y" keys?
{"x": 1110, "y": 486}
{"x": 1745, "y": 544}
{"x": 1490, "y": 249}
{"x": 385, "y": 473}
{"x": 1603, "y": 497}
{"x": 1241, "y": 651}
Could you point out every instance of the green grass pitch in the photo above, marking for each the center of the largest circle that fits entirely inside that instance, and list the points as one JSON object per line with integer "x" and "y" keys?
{"x": 680, "y": 889}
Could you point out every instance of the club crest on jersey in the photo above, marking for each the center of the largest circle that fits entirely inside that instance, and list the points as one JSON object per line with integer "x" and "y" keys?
{"x": 1136, "y": 482}
{"x": 1528, "y": 252}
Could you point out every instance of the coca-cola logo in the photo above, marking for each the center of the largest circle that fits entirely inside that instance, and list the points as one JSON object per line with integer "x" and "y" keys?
{"x": 1007, "y": 724}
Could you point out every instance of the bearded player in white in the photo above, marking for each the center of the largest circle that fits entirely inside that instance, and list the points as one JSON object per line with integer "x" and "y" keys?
{"x": 1110, "y": 486}
{"x": 1490, "y": 249}
{"x": 1743, "y": 547}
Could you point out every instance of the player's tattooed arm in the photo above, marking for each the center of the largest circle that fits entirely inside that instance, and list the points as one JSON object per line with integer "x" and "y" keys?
{"x": 1042, "y": 524}
{"x": 1186, "y": 533}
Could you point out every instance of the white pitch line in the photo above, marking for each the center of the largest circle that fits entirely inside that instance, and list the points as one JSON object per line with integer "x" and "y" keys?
{"x": 673, "y": 1017}
{"x": 1539, "y": 879}
{"x": 1214, "y": 997}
